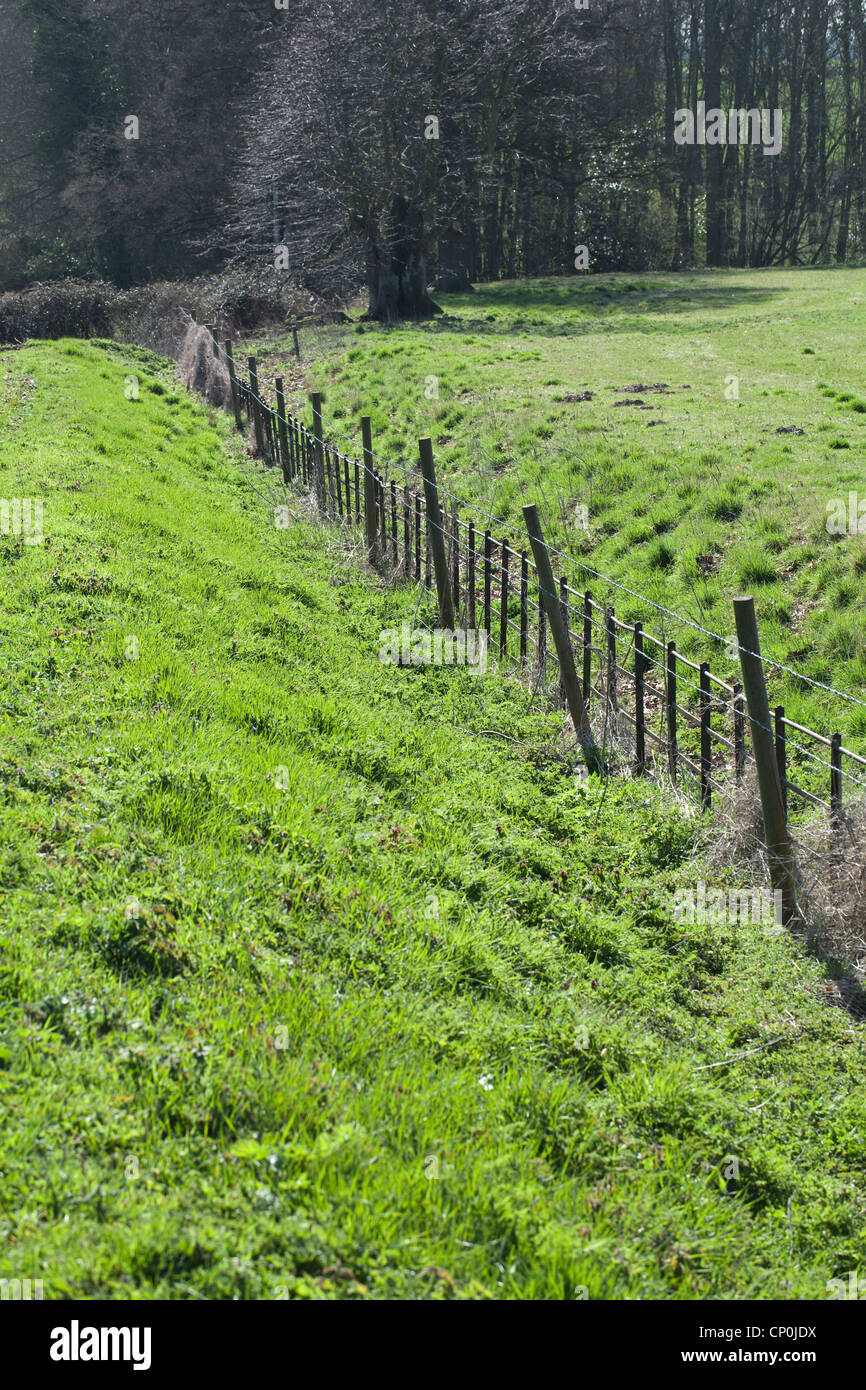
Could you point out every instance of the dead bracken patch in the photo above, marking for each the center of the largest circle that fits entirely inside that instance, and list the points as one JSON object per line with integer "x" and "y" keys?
{"x": 201, "y": 371}
{"x": 832, "y": 891}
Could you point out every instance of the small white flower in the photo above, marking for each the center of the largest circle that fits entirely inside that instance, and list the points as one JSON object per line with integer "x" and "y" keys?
{"x": 486, "y": 1082}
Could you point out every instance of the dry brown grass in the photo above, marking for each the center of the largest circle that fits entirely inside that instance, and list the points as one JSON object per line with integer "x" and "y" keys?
{"x": 831, "y": 863}
{"x": 201, "y": 371}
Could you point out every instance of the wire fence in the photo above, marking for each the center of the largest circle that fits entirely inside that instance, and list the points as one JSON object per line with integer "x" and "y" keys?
{"x": 661, "y": 713}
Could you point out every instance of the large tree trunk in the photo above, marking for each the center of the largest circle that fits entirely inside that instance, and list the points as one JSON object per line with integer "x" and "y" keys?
{"x": 455, "y": 251}
{"x": 397, "y": 268}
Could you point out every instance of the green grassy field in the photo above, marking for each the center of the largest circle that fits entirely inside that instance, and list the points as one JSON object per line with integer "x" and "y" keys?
{"x": 699, "y": 469}
{"x": 310, "y": 986}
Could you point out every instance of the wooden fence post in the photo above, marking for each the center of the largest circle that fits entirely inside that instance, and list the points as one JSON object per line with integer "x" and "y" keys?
{"x": 671, "y": 704}
{"x": 779, "y": 849}
{"x": 369, "y": 491}
{"x": 282, "y": 431}
{"x": 546, "y": 584}
{"x": 639, "y": 714}
{"x": 295, "y": 341}
{"x": 706, "y": 749}
{"x": 437, "y": 538}
{"x": 233, "y": 382}
{"x": 257, "y": 410}
{"x": 347, "y": 488}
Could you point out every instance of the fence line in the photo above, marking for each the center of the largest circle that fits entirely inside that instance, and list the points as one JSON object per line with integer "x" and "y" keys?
{"x": 349, "y": 490}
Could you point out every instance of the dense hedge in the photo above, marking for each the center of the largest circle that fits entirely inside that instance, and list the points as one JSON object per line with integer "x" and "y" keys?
{"x": 238, "y": 301}
{"x": 62, "y": 309}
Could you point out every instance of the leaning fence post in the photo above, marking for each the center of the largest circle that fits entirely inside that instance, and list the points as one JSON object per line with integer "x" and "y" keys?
{"x": 546, "y": 584}
{"x": 233, "y": 382}
{"x": 369, "y": 491}
{"x": 781, "y": 855}
{"x": 639, "y": 716}
{"x": 257, "y": 409}
{"x": 706, "y": 749}
{"x": 282, "y": 431}
{"x": 437, "y": 539}
{"x": 295, "y": 341}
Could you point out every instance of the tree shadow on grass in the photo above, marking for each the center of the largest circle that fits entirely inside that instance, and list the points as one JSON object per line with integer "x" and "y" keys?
{"x": 571, "y": 307}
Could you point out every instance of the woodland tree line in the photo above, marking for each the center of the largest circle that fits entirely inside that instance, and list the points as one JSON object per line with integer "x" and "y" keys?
{"x": 408, "y": 142}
